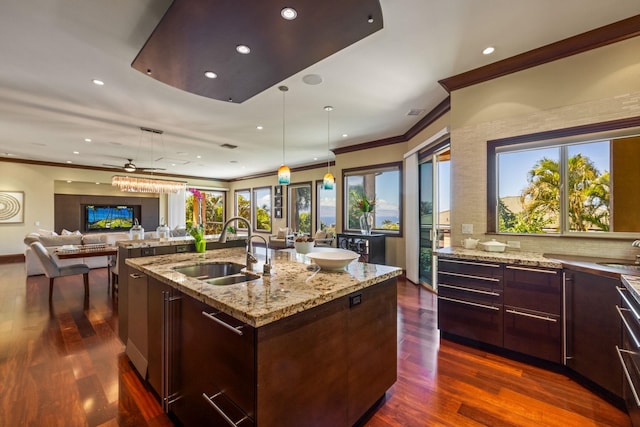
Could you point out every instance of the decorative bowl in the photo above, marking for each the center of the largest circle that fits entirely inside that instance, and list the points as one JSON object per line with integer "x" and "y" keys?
{"x": 332, "y": 259}
{"x": 494, "y": 246}
{"x": 304, "y": 247}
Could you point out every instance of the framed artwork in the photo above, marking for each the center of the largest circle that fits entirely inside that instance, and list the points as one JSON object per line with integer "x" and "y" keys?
{"x": 11, "y": 207}
{"x": 277, "y": 201}
{"x": 277, "y": 190}
{"x": 277, "y": 212}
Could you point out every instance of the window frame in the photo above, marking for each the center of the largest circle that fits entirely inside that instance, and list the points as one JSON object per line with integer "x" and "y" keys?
{"x": 206, "y": 192}
{"x": 290, "y": 188}
{"x": 372, "y": 169}
{"x": 235, "y": 205}
{"x": 254, "y": 209}
{"x": 559, "y": 137}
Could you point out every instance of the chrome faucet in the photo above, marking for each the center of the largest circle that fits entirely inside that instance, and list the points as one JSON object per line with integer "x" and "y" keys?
{"x": 636, "y": 244}
{"x": 223, "y": 238}
{"x": 267, "y": 266}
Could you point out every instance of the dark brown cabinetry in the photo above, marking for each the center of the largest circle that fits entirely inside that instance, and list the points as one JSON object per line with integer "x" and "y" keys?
{"x": 629, "y": 354}
{"x": 470, "y": 300}
{"x": 371, "y": 247}
{"x": 593, "y": 328}
{"x": 533, "y": 311}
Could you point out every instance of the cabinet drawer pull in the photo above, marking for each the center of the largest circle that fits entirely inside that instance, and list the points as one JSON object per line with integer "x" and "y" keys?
{"x": 628, "y": 303}
{"x": 468, "y": 276}
{"x": 136, "y": 276}
{"x": 475, "y": 304}
{"x": 627, "y": 326}
{"x": 533, "y": 316}
{"x": 212, "y": 316}
{"x": 221, "y": 412}
{"x": 535, "y": 270}
{"x": 628, "y": 375}
{"x": 475, "y": 291}
{"x": 468, "y": 263}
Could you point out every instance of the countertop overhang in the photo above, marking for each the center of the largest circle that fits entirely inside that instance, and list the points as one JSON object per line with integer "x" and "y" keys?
{"x": 291, "y": 288}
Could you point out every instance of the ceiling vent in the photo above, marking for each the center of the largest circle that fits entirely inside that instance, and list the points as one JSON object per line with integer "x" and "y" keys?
{"x": 229, "y": 146}
{"x": 415, "y": 112}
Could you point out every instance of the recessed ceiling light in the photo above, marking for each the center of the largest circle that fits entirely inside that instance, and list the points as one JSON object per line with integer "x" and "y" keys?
{"x": 315, "y": 158}
{"x": 312, "y": 79}
{"x": 76, "y": 152}
{"x": 69, "y": 181}
{"x": 98, "y": 82}
{"x": 87, "y": 140}
{"x": 488, "y": 50}
{"x": 259, "y": 127}
{"x": 370, "y": 19}
{"x": 69, "y": 161}
{"x": 289, "y": 13}
{"x": 210, "y": 74}
{"x": 198, "y": 157}
{"x": 344, "y": 135}
{"x": 97, "y": 183}
{"x": 243, "y": 49}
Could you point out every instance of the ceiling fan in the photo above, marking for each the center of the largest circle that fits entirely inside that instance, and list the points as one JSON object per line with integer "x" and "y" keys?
{"x": 129, "y": 166}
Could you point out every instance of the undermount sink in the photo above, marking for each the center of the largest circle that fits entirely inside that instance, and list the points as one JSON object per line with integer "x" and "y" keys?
{"x": 210, "y": 270}
{"x": 232, "y": 279}
{"x": 621, "y": 265}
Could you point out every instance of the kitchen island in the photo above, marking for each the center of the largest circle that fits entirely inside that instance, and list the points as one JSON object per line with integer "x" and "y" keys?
{"x": 296, "y": 347}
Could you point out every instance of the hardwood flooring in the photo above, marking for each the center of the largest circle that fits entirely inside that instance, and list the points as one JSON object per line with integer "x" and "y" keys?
{"x": 61, "y": 364}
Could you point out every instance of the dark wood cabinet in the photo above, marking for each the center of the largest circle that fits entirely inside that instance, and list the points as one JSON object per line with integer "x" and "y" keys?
{"x": 470, "y": 300}
{"x": 370, "y": 247}
{"x": 533, "y": 311}
{"x": 594, "y": 328}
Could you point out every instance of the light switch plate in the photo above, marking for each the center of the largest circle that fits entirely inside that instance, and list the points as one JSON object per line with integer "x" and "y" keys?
{"x": 467, "y": 228}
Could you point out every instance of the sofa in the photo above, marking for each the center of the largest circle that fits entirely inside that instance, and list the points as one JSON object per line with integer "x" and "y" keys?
{"x": 283, "y": 239}
{"x": 53, "y": 242}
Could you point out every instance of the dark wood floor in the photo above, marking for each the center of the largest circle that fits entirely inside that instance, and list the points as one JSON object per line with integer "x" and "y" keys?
{"x": 61, "y": 364}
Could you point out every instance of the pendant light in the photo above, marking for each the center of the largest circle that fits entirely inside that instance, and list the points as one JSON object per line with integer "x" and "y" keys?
{"x": 329, "y": 180}
{"x": 284, "y": 174}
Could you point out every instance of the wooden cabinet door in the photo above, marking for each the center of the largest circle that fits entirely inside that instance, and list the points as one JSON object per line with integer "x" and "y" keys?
{"x": 594, "y": 329}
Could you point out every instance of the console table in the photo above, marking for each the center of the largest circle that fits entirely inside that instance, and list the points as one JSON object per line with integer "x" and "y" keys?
{"x": 371, "y": 247}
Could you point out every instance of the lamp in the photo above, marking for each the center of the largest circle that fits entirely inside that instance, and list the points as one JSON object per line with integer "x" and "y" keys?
{"x": 147, "y": 185}
{"x": 329, "y": 180}
{"x": 284, "y": 173}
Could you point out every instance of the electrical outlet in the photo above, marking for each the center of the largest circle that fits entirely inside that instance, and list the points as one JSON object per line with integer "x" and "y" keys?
{"x": 467, "y": 228}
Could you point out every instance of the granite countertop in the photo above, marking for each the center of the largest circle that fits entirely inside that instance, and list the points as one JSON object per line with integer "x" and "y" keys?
{"x": 291, "y": 287}
{"x": 531, "y": 259}
{"x": 632, "y": 283}
{"x": 169, "y": 241}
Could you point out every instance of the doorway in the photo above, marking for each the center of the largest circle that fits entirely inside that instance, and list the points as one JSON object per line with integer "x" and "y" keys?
{"x": 434, "y": 174}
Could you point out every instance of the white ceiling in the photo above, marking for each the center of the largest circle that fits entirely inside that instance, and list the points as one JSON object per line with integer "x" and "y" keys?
{"x": 50, "y": 50}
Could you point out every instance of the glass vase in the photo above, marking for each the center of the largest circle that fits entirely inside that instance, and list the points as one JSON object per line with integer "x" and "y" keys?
{"x": 366, "y": 222}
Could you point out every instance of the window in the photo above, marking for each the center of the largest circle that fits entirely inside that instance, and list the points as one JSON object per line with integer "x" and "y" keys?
{"x": 300, "y": 207}
{"x": 206, "y": 207}
{"x": 326, "y": 208}
{"x": 380, "y": 183}
{"x": 564, "y": 186}
{"x": 243, "y": 206}
{"x": 262, "y": 209}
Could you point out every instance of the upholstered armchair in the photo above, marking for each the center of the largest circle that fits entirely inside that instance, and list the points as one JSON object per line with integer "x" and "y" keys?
{"x": 324, "y": 238}
{"x": 284, "y": 239}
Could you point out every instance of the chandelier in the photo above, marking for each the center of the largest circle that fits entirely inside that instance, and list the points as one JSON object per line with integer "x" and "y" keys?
{"x": 329, "y": 180}
{"x": 284, "y": 173}
{"x": 147, "y": 185}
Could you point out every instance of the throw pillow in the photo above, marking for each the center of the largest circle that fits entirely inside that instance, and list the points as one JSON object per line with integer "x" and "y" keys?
{"x": 47, "y": 232}
{"x": 66, "y": 232}
{"x": 71, "y": 239}
{"x": 321, "y": 234}
{"x": 282, "y": 233}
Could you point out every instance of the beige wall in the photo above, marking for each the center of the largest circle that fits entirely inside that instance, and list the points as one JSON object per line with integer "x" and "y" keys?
{"x": 40, "y": 183}
{"x": 596, "y": 86}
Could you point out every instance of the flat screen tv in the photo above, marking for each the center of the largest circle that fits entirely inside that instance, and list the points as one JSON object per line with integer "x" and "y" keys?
{"x": 109, "y": 217}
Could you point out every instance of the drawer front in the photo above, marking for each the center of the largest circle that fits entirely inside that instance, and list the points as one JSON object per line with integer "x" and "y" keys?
{"x": 490, "y": 297}
{"x": 469, "y": 319}
{"x": 533, "y": 288}
{"x": 462, "y": 280}
{"x": 533, "y": 333}
{"x": 472, "y": 268}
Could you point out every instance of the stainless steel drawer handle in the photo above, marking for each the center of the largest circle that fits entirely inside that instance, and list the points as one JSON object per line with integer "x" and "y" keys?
{"x": 136, "y": 276}
{"x": 535, "y": 270}
{"x": 475, "y": 291}
{"x": 628, "y": 303}
{"x": 474, "y": 304}
{"x": 468, "y": 263}
{"x": 469, "y": 276}
{"x": 212, "y": 316}
{"x": 627, "y": 326}
{"x": 533, "y": 316}
{"x": 628, "y": 375}
{"x": 221, "y": 412}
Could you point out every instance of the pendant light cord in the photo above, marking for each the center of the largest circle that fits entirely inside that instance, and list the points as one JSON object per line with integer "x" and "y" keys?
{"x": 284, "y": 90}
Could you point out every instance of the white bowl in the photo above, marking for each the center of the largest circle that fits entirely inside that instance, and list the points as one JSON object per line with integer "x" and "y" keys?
{"x": 303, "y": 247}
{"x": 333, "y": 259}
{"x": 494, "y": 246}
